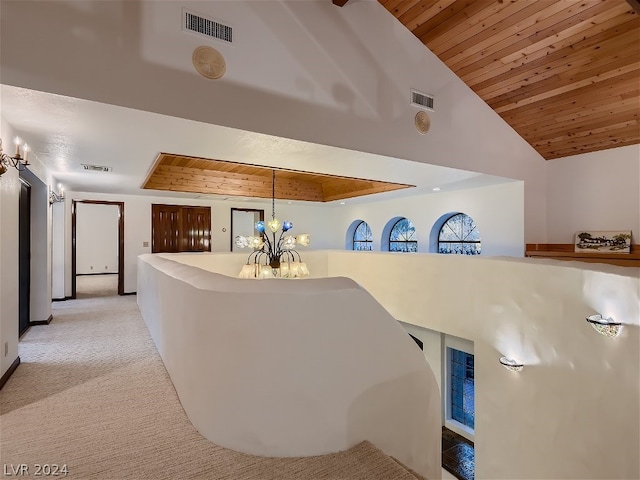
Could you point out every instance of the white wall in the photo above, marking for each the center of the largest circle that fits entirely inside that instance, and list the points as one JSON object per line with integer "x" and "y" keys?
{"x": 579, "y": 391}
{"x": 96, "y": 238}
{"x": 137, "y": 226}
{"x": 497, "y": 210}
{"x": 343, "y": 78}
{"x": 40, "y": 261}
{"x": 58, "y": 231}
{"x": 594, "y": 191}
{"x": 432, "y": 349}
{"x": 9, "y": 197}
{"x": 40, "y": 252}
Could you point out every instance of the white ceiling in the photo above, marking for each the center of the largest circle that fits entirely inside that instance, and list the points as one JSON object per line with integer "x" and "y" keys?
{"x": 65, "y": 132}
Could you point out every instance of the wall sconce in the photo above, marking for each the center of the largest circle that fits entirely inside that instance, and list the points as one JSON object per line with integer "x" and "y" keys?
{"x": 511, "y": 364}
{"x": 18, "y": 161}
{"x": 56, "y": 197}
{"x": 605, "y": 326}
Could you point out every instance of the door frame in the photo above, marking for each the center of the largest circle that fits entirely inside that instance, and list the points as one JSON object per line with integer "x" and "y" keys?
{"x": 233, "y": 209}
{"x": 24, "y": 269}
{"x": 120, "y": 206}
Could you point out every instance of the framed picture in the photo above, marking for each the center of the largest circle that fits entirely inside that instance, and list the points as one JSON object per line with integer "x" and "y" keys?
{"x": 603, "y": 242}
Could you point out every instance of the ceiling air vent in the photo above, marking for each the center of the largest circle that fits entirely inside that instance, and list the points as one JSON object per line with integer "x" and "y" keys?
{"x": 206, "y": 26}
{"x": 422, "y": 100}
{"x": 96, "y": 168}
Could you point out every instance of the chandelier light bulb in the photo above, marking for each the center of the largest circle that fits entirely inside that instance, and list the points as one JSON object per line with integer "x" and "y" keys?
{"x": 303, "y": 239}
{"x": 274, "y": 225}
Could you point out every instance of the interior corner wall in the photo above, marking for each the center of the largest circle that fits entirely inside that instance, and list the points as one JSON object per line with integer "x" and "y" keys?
{"x": 596, "y": 191}
{"x": 40, "y": 290}
{"x": 40, "y": 253}
{"x": 9, "y": 199}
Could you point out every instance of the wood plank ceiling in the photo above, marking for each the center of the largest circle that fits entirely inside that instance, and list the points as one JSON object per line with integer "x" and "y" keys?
{"x": 180, "y": 173}
{"x": 564, "y": 74}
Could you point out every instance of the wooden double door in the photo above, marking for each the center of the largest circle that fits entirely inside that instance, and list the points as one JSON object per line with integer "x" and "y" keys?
{"x": 180, "y": 228}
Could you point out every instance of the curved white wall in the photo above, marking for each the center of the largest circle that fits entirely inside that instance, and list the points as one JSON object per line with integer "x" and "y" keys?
{"x": 288, "y": 368}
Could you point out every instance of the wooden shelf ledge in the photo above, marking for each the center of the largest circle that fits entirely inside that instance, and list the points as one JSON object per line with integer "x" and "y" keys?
{"x": 565, "y": 251}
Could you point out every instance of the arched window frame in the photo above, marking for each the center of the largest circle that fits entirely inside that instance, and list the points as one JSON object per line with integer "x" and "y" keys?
{"x": 468, "y": 247}
{"x": 366, "y": 240}
{"x": 410, "y": 241}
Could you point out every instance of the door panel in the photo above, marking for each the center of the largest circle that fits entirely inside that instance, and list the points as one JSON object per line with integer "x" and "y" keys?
{"x": 24, "y": 257}
{"x": 177, "y": 228}
{"x": 165, "y": 228}
{"x": 196, "y": 229}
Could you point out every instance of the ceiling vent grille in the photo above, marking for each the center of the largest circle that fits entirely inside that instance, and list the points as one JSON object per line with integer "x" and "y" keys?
{"x": 422, "y": 100}
{"x": 96, "y": 168}
{"x": 193, "y": 22}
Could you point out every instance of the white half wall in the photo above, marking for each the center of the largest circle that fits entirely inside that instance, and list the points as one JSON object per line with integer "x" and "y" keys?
{"x": 289, "y": 368}
{"x": 96, "y": 238}
{"x": 579, "y": 391}
{"x": 594, "y": 191}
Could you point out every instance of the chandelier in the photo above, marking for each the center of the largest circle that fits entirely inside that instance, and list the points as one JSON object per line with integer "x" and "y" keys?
{"x": 273, "y": 255}
{"x": 18, "y": 161}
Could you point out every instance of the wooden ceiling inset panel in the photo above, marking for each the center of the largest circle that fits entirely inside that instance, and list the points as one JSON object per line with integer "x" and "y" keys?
{"x": 180, "y": 173}
{"x": 564, "y": 74}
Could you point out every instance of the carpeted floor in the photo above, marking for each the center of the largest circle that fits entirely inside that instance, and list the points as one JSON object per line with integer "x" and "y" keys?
{"x": 92, "y": 393}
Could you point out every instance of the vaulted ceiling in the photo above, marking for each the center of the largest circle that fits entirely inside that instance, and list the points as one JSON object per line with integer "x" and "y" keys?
{"x": 564, "y": 74}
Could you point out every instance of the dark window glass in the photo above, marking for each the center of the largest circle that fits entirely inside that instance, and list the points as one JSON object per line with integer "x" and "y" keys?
{"x": 461, "y": 380}
{"x": 459, "y": 235}
{"x": 362, "y": 238}
{"x": 403, "y": 237}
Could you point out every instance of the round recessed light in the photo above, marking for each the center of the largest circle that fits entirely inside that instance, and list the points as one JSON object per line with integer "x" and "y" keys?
{"x": 436, "y": 189}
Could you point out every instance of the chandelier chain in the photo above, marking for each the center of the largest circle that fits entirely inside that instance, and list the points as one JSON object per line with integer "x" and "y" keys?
{"x": 273, "y": 194}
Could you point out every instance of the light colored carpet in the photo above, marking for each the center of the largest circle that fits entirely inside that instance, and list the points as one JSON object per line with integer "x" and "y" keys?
{"x": 92, "y": 393}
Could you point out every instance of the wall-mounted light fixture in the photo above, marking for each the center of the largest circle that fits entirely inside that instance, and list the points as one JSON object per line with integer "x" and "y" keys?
{"x": 605, "y": 326}
{"x": 18, "y": 161}
{"x": 511, "y": 364}
{"x": 56, "y": 196}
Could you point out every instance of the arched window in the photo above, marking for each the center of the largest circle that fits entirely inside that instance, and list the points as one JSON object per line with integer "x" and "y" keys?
{"x": 362, "y": 238}
{"x": 459, "y": 235}
{"x": 403, "y": 237}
